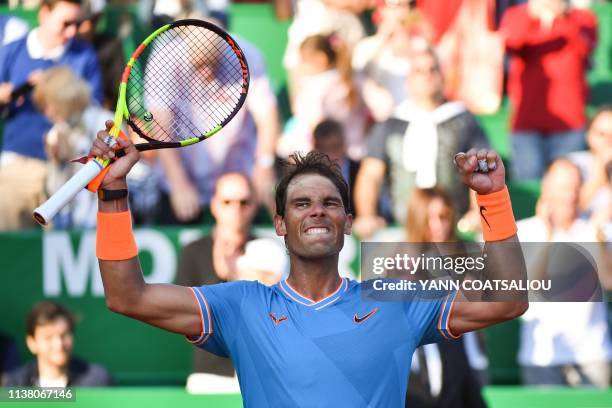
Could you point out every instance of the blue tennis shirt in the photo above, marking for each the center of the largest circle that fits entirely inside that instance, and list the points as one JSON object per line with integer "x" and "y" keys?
{"x": 341, "y": 351}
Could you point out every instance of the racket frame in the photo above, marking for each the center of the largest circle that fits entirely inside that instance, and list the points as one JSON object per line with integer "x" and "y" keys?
{"x": 44, "y": 213}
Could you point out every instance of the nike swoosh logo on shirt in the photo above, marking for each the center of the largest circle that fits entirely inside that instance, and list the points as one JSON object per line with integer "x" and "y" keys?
{"x": 363, "y": 318}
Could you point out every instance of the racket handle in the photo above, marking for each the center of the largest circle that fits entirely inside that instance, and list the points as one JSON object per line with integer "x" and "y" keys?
{"x": 67, "y": 192}
{"x": 94, "y": 185}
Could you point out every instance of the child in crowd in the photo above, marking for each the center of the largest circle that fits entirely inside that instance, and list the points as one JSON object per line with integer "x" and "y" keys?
{"x": 325, "y": 89}
{"x": 65, "y": 100}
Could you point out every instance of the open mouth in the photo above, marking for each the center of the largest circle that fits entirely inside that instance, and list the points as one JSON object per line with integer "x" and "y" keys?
{"x": 316, "y": 230}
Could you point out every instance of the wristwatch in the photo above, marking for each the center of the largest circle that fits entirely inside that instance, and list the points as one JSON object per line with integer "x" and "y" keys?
{"x": 110, "y": 195}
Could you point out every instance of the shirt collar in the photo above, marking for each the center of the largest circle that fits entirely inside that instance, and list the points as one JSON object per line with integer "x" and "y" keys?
{"x": 36, "y": 50}
{"x": 295, "y": 296}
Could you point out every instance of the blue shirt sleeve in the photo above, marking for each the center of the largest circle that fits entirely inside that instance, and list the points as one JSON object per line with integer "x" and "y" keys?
{"x": 432, "y": 317}
{"x": 220, "y": 307}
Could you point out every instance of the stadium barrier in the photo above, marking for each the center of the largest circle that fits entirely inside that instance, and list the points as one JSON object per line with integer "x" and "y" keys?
{"x": 496, "y": 397}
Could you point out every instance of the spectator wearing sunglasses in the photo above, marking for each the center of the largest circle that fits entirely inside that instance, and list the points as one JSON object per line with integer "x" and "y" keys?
{"x": 213, "y": 259}
{"x": 22, "y": 163}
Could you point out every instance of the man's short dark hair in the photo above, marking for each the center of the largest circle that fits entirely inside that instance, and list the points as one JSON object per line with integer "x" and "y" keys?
{"x": 326, "y": 129}
{"x": 312, "y": 163}
{"x": 46, "y": 312}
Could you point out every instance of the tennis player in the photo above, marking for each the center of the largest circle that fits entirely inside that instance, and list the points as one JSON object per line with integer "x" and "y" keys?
{"x": 311, "y": 340}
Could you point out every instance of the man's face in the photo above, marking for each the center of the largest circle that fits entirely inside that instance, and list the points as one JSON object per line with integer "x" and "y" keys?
{"x": 233, "y": 204}
{"x": 59, "y": 24}
{"x": 425, "y": 79}
{"x": 561, "y": 191}
{"x": 315, "y": 220}
{"x": 52, "y": 342}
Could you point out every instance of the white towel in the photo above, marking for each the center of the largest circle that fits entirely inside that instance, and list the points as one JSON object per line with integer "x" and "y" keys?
{"x": 420, "y": 148}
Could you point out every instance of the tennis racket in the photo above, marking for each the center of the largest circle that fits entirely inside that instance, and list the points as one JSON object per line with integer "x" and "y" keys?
{"x": 182, "y": 85}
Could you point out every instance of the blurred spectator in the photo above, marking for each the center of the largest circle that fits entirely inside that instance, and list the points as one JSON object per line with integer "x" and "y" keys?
{"x": 11, "y": 28}
{"x": 25, "y": 4}
{"x": 441, "y": 377}
{"x": 109, "y": 50}
{"x": 470, "y": 50}
{"x": 155, "y": 13}
{"x": 549, "y": 44}
{"x": 9, "y": 356}
{"x": 562, "y": 343}
{"x": 246, "y": 144}
{"x": 502, "y": 5}
{"x": 415, "y": 149}
{"x": 432, "y": 214}
{"x": 440, "y": 14}
{"x": 22, "y": 164}
{"x": 65, "y": 99}
{"x": 313, "y": 17}
{"x": 329, "y": 139}
{"x": 50, "y": 330}
{"x": 264, "y": 260}
{"x": 325, "y": 89}
{"x": 143, "y": 183}
{"x": 596, "y": 195}
{"x": 382, "y": 61}
{"x": 213, "y": 259}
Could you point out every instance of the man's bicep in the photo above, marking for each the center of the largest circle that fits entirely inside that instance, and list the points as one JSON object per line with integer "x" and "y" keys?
{"x": 170, "y": 307}
{"x": 438, "y": 316}
{"x": 433, "y": 313}
{"x": 220, "y": 309}
{"x": 469, "y": 316}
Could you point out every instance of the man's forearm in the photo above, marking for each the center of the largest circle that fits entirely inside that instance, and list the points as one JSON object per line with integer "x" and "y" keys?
{"x": 122, "y": 279}
{"x": 505, "y": 262}
{"x": 504, "y": 255}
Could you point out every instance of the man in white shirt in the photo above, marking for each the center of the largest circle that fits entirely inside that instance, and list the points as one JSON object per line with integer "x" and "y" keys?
{"x": 563, "y": 343}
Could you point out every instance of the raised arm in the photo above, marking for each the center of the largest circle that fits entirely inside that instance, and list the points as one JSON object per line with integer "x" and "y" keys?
{"x": 169, "y": 307}
{"x": 504, "y": 255}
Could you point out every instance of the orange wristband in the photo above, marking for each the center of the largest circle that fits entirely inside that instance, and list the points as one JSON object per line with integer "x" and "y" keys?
{"x": 496, "y": 215}
{"x": 114, "y": 237}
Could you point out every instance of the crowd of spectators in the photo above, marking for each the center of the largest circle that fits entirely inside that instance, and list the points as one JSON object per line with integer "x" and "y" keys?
{"x": 384, "y": 87}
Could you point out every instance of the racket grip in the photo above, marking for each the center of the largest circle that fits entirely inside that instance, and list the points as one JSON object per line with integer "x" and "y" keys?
{"x": 67, "y": 192}
{"x": 94, "y": 185}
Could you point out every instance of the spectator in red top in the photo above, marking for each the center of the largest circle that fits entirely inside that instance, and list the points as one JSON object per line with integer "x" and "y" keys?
{"x": 549, "y": 44}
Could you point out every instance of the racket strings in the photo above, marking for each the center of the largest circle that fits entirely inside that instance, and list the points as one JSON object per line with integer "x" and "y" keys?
{"x": 188, "y": 81}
